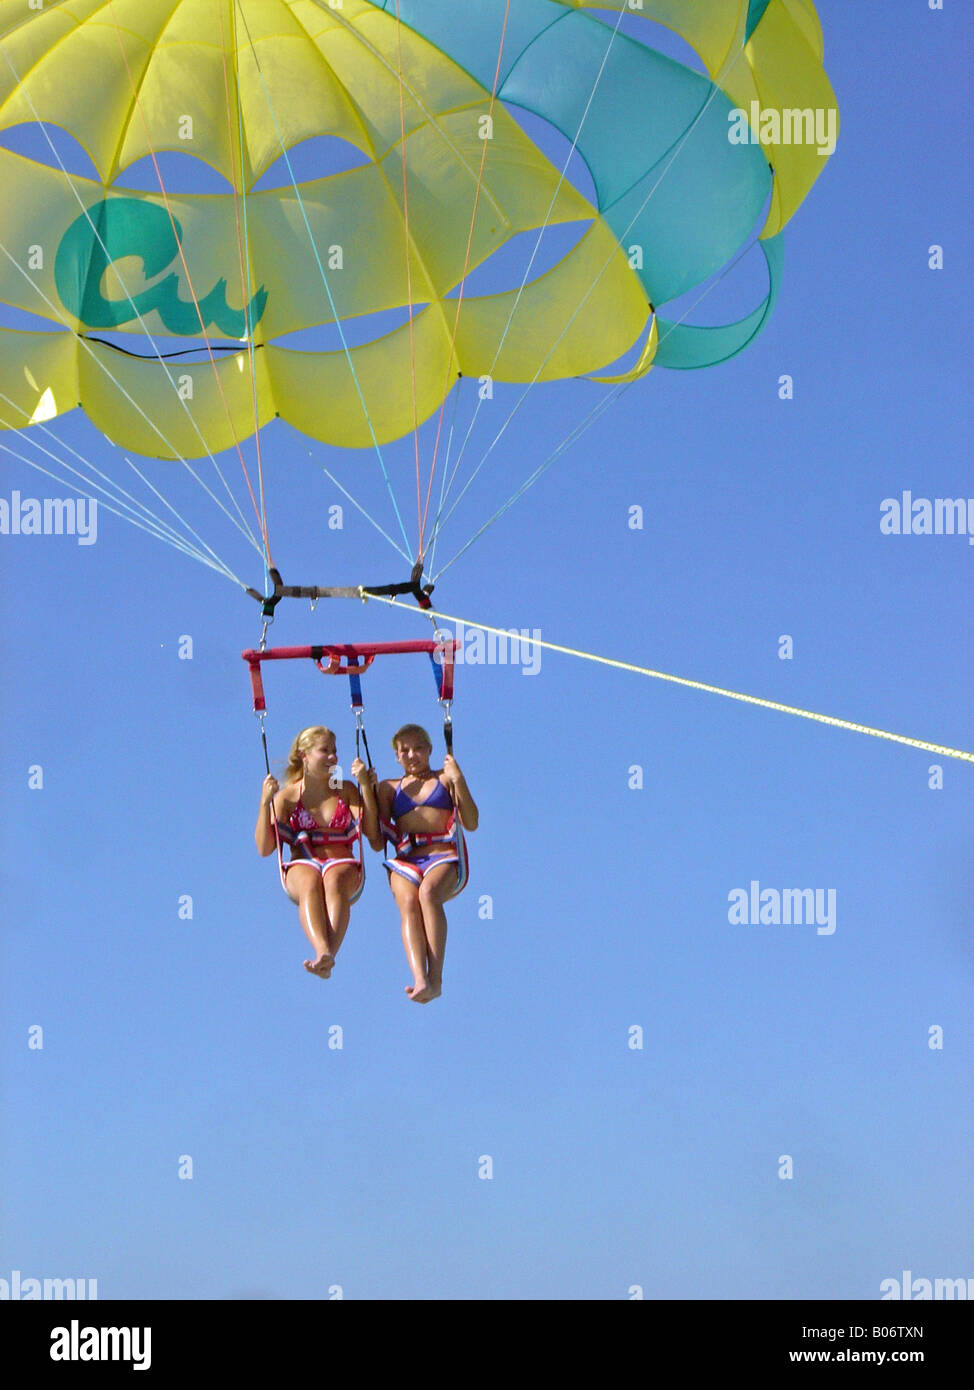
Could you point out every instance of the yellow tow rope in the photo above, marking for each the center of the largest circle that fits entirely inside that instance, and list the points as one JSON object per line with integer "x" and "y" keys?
{"x": 691, "y": 684}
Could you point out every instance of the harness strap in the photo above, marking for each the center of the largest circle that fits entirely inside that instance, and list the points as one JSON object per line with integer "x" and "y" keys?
{"x": 269, "y": 601}
{"x": 318, "y": 837}
{"x": 420, "y": 839}
{"x": 358, "y": 708}
{"x": 303, "y": 840}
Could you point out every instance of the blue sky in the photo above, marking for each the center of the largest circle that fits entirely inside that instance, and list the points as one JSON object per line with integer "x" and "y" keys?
{"x": 316, "y": 1168}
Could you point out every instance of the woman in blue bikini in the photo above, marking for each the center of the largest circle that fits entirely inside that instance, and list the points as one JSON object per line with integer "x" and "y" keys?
{"x": 322, "y": 819}
{"x": 423, "y": 815}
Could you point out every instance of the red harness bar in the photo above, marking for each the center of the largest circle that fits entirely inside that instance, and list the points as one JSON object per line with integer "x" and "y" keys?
{"x": 341, "y": 655}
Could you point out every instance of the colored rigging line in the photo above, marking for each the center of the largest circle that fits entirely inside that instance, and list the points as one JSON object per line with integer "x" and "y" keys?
{"x": 137, "y": 103}
{"x": 324, "y": 277}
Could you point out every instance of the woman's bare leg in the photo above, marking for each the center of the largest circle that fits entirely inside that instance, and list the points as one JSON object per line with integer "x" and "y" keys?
{"x": 406, "y": 895}
{"x": 303, "y": 885}
{"x": 435, "y": 889}
{"x": 340, "y": 884}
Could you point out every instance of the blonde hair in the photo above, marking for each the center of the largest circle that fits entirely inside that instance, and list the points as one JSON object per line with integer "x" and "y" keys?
{"x": 305, "y": 739}
{"x": 411, "y": 731}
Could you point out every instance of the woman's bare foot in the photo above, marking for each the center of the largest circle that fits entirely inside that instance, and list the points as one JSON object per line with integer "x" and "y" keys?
{"x": 423, "y": 992}
{"x": 322, "y": 966}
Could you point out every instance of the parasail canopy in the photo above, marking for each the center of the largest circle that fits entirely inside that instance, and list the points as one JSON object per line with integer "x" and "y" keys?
{"x": 424, "y": 95}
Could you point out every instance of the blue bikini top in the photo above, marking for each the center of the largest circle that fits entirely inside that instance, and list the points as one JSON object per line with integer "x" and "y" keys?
{"x": 439, "y": 798}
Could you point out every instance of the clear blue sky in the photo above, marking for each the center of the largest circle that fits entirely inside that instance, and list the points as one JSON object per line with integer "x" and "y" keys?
{"x": 612, "y": 1167}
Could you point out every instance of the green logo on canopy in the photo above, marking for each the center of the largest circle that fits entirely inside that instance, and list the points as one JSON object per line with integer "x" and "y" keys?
{"x": 121, "y": 227}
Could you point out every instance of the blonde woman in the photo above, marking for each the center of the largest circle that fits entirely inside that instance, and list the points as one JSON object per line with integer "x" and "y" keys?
{"x": 321, "y": 818}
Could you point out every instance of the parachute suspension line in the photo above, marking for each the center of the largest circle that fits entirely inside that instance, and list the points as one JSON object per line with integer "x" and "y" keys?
{"x": 243, "y": 257}
{"x": 82, "y": 339}
{"x": 417, "y": 97}
{"x": 324, "y": 280}
{"x": 446, "y": 465}
{"x": 355, "y": 503}
{"x": 136, "y": 97}
{"x": 571, "y": 438}
{"x": 159, "y": 530}
{"x": 537, "y": 245}
{"x": 579, "y": 429}
{"x": 140, "y": 516}
{"x": 409, "y": 278}
{"x": 137, "y": 102}
{"x": 463, "y": 277}
{"x": 166, "y": 503}
{"x": 678, "y": 146}
{"x": 831, "y": 720}
{"x": 82, "y": 342}
{"x": 261, "y": 716}
{"x": 144, "y": 521}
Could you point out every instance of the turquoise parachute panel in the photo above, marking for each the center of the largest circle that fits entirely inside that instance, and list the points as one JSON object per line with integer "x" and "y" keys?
{"x": 685, "y": 346}
{"x": 754, "y": 15}
{"x": 473, "y": 42}
{"x": 653, "y": 133}
{"x": 689, "y": 216}
{"x": 627, "y": 119}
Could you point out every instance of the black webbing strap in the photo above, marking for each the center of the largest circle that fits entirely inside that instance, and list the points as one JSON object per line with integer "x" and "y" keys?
{"x": 420, "y": 592}
{"x": 355, "y": 685}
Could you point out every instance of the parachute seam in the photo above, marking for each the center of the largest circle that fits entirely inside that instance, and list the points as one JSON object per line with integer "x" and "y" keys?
{"x": 137, "y": 106}
{"x": 243, "y": 257}
{"x": 114, "y": 169}
{"x": 436, "y": 302}
{"x": 42, "y": 58}
{"x": 609, "y": 399}
{"x": 618, "y": 389}
{"x": 86, "y": 212}
{"x": 444, "y": 391}
{"x": 576, "y": 311}
{"x": 83, "y": 338}
{"x": 562, "y": 178}
{"x": 82, "y": 341}
{"x": 351, "y": 103}
{"x": 433, "y": 118}
{"x": 324, "y": 277}
{"x": 409, "y": 278}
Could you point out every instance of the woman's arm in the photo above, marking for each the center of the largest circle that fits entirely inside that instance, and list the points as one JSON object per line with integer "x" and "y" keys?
{"x": 274, "y": 805}
{"x": 264, "y": 833}
{"x": 385, "y": 791}
{"x": 367, "y": 778}
{"x": 466, "y": 806}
